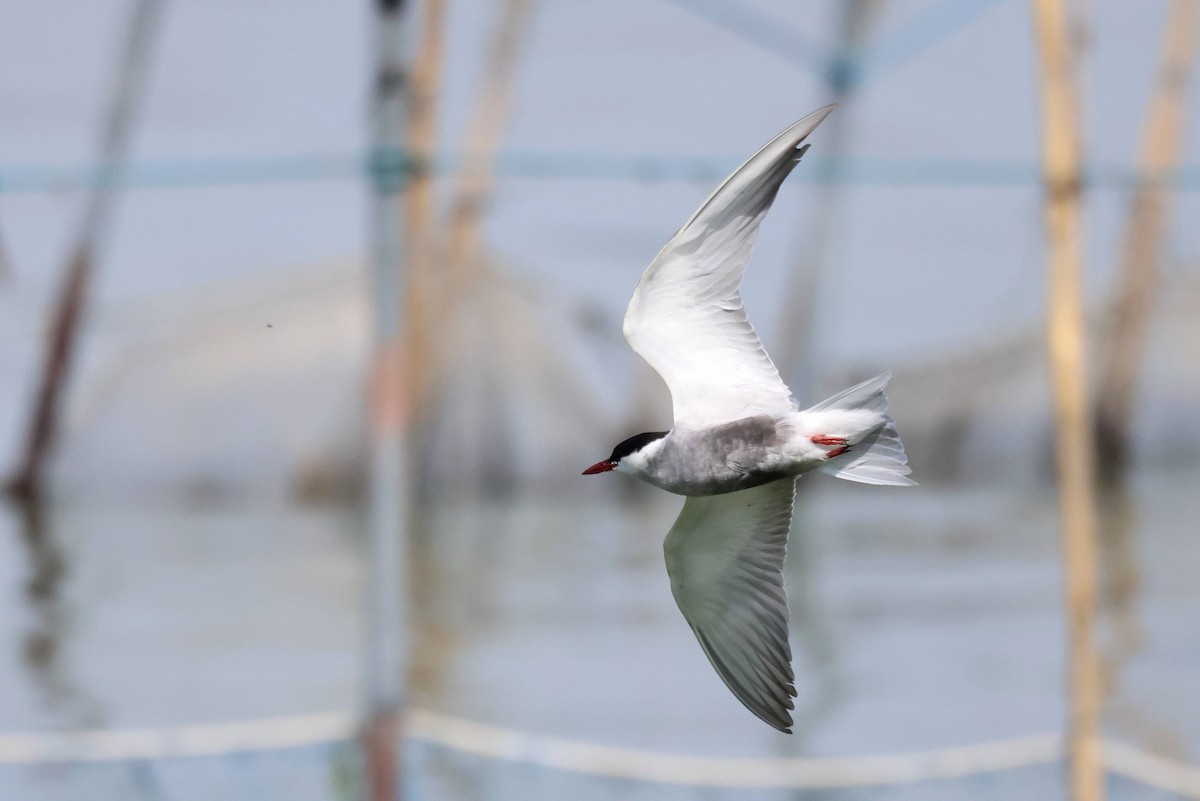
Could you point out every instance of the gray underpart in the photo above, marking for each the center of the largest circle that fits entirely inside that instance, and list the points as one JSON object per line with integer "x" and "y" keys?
{"x": 720, "y": 459}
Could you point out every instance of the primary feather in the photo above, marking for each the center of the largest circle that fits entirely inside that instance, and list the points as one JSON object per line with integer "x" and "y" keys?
{"x": 686, "y": 317}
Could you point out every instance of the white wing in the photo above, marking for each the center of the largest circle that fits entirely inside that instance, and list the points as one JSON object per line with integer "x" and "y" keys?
{"x": 725, "y": 559}
{"x": 686, "y": 317}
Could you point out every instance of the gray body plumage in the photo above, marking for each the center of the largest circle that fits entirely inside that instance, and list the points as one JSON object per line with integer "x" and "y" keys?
{"x": 724, "y": 458}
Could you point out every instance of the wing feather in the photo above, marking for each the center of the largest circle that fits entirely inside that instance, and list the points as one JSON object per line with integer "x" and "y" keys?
{"x": 725, "y": 559}
{"x": 686, "y": 317}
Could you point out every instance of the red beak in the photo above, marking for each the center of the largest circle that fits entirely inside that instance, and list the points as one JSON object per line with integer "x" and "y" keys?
{"x": 600, "y": 467}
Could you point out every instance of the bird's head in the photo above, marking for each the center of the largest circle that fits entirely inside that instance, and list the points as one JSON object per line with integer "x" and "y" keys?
{"x": 627, "y": 453}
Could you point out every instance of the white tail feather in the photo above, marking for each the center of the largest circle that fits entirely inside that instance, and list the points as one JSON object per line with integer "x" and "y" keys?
{"x": 880, "y": 457}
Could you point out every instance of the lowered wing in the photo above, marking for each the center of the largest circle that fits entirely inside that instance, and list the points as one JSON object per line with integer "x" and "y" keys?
{"x": 725, "y": 559}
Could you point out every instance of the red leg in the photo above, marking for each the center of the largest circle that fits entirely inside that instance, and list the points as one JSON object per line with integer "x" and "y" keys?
{"x": 824, "y": 439}
{"x": 837, "y": 451}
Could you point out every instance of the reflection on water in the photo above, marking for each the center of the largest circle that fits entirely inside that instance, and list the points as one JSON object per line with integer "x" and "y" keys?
{"x": 167, "y": 616}
{"x": 43, "y": 647}
{"x": 443, "y": 774}
{"x": 922, "y": 619}
{"x": 1121, "y": 587}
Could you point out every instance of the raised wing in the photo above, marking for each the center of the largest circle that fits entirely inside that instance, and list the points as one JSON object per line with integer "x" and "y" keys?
{"x": 686, "y": 317}
{"x": 725, "y": 559}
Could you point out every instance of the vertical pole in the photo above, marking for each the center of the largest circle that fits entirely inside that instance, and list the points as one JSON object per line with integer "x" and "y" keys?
{"x": 421, "y": 207}
{"x": 387, "y": 609}
{"x": 1065, "y": 338}
{"x": 492, "y": 105}
{"x": 128, "y": 91}
{"x": 1142, "y": 250}
{"x": 799, "y": 347}
{"x": 459, "y": 281}
{"x": 6, "y": 268}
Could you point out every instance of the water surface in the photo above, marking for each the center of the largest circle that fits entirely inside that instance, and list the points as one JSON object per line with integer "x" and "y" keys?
{"x": 922, "y": 619}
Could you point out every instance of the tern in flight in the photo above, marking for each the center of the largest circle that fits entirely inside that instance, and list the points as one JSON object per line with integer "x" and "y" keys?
{"x": 739, "y": 440}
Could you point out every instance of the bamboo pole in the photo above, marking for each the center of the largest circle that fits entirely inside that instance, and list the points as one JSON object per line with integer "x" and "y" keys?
{"x": 451, "y": 290}
{"x": 1158, "y": 158}
{"x": 475, "y": 178}
{"x": 387, "y": 610}
{"x": 420, "y": 206}
{"x": 128, "y": 91}
{"x": 1065, "y": 337}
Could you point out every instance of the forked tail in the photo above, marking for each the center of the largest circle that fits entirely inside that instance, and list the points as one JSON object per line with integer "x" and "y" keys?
{"x": 880, "y": 457}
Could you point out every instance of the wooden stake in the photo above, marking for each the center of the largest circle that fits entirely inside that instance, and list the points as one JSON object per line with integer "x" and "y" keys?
{"x": 1157, "y": 160}
{"x": 26, "y": 484}
{"x": 128, "y": 91}
{"x": 460, "y": 252}
{"x": 1065, "y": 336}
{"x": 420, "y": 206}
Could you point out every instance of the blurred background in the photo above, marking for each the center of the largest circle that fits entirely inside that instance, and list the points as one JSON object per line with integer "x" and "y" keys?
{"x": 200, "y": 228}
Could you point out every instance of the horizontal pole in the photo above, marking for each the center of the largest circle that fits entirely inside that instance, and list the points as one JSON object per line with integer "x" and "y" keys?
{"x": 650, "y": 168}
{"x": 578, "y": 756}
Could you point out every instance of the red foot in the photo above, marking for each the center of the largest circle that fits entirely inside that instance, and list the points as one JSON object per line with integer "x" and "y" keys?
{"x": 836, "y": 451}
{"x": 823, "y": 439}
